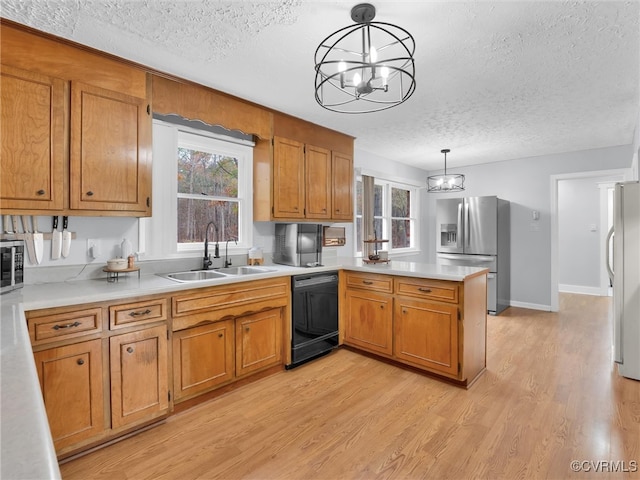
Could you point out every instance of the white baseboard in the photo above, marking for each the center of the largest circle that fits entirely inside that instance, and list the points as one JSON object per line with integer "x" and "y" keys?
{"x": 581, "y": 289}
{"x": 532, "y": 306}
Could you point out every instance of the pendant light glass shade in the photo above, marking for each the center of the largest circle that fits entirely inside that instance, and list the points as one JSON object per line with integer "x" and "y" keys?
{"x": 445, "y": 182}
{"x": 366, "y": 67}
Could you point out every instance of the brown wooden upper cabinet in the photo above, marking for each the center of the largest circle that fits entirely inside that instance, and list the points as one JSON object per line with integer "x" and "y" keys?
{"x": 32, "y": 140}
{"x": 76, "y": 130}
{"x": 110, "y": 142}
{"x": 311, "y": 174}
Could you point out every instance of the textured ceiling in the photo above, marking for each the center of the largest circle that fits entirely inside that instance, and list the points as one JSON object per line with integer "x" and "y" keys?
{"x": 495, "y": 80}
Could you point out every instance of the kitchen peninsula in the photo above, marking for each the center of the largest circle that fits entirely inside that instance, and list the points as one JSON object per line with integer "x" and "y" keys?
{"x": 452, "y": 300}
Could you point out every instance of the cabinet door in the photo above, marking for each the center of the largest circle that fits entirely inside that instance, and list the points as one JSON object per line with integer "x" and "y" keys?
{"x": 202, "y": 358}
{"x": 369, "y": 322}
{"x": 288, "y": 178}
{"x": 427, "y": 334}
{"x": 32, "y": 132}
{"x": 258, "y": 341}
{"x": 317, "y": 182}
{"x": 342, "y": 195}
{"x": 139, "y": 376}
{"x": 71, "y": 383}
{"x": 110, "y": 150}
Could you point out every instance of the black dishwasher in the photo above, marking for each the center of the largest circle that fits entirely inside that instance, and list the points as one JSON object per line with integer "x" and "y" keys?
{"x": 314, "y": 312}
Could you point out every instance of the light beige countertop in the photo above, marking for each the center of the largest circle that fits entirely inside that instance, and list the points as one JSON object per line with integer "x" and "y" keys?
{"x": 26, "y": 448}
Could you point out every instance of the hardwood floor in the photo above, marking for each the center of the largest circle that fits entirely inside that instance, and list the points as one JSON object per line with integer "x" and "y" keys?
{"x": 550, "y": 396}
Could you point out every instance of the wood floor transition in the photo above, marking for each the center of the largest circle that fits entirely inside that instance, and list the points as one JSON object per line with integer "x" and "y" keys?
{"x": 550, "y": 397}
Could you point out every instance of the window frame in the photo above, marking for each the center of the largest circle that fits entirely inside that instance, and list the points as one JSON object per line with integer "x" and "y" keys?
{"x": 387, "y": 219}
{"x": 158, "y": 235}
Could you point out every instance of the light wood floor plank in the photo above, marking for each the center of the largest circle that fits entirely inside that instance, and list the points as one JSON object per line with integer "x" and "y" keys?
{"x": 550, "y": 395}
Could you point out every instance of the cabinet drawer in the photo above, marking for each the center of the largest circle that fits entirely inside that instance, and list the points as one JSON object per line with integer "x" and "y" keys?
{"x": 63, "y": 326}
{"x": 261, "y": 294}
{"x": 138, "y": 313}
{"x": 439, "y": 290}
{"x": 370, "y": 281}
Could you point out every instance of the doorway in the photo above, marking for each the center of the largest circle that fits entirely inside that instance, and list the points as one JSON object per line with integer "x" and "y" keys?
{"x": 597, "y": 260}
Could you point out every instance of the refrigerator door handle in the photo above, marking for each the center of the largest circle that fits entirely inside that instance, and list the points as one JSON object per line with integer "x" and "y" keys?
{"x": 460, "y": 231}
{"x": 608, "y": 254}
{"x": 467, "y": 226}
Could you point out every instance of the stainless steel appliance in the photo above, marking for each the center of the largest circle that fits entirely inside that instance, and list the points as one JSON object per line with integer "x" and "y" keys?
{"x": 298, "y": 244}
{"x": 12, "y": 252}
{"x": 314, "y": 312}
{"x": 625, "y": 275}
{"x": 476, "y": 232}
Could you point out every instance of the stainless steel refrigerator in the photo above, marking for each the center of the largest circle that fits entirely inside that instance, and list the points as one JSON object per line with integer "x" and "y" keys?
{"x": 625, "y": 275}
{"x": 475, "y": 231}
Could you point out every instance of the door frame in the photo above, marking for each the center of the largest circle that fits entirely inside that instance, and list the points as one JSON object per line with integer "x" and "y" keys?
{"x": 623, "y": 175}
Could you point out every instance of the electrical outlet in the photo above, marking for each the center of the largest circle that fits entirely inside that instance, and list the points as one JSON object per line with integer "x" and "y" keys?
{"x": 93, "y": 247}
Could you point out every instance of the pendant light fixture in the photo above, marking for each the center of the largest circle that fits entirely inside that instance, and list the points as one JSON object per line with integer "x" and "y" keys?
{"x": 446, "y": 182}
{"x": 366, "y": 67}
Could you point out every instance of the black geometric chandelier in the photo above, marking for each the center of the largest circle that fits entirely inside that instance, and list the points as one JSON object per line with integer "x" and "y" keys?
{"x": 366, "y": 67}
{"x": 445, "y": 182}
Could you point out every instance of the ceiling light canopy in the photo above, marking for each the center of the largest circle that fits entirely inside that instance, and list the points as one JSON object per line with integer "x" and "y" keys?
{"x": 446, "y": 182}
{"x": 366, "y": 67}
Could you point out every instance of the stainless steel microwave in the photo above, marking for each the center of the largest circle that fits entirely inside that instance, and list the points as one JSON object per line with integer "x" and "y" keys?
{"x": 298, "y": 244}
{"x": 12, "y": 252}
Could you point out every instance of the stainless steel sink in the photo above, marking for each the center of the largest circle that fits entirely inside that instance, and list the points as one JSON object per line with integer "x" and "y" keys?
{"x": 244, "y": 270}
{"x": 196, "y": 276}
{"x": 202, "y": 275}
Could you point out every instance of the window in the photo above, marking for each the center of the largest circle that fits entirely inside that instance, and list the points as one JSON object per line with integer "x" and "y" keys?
{"x": 207, "y": 178}
{"x": 395, "y": 215}
{"x": 198, "y": 177}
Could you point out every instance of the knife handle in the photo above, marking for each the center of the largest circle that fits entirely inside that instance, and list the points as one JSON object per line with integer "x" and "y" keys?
{"x": 65, "y": 222}
{"x": 7, "y": 224}
{"x": 34, "y": 221}
{"x": 25, "y": 223}
{"x": 55, "y": 222}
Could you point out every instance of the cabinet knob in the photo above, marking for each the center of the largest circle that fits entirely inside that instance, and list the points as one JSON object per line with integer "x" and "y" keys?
{"x": 246, "y": 329}
{"x": 220, "y": 335}
{"x": 89, "y": 193}
{"x": 40, "y": 192}
{"x": 80, "y": 361}
{"x": 381, "y": 307}
{"x": 404, "y": 310}
{"x": 130, "y": 349}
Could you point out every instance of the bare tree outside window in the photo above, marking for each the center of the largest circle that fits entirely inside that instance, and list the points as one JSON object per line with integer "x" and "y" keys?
{"x": 207, "y": 192}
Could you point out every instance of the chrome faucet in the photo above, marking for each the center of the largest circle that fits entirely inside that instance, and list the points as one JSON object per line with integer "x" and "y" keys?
{"x": 227, "y": 262}
{"x": 206, "y": 261}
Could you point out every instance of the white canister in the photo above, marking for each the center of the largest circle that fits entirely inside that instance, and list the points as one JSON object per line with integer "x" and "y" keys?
{"x": 125, "y": 248}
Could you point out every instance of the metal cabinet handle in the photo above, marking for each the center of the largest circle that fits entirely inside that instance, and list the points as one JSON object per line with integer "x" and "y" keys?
{"x": 367, "y": 282}
{"x": 425, "y": 290}
{"x": 68, "y": 325}
{"x": 40, "y": 192}
{"x": 130, "y": 350}
{"x": 137, "y": 314}
{"x": 80, "y": 361}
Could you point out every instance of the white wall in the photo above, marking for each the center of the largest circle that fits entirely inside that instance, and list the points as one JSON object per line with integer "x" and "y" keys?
{"x": 579, "y": 235}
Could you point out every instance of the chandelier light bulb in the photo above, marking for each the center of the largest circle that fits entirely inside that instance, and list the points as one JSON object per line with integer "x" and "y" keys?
{"x": 342, "y": 66}
{"x": 357, "y": 79}
{"x": 373, "y": 55}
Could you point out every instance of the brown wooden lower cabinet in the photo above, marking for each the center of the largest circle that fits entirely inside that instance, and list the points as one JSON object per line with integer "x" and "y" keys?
{"x": 71, "y": 382}
{"x": 203, "y": 358}
{"x": 258, "y": 341}
{"x": 369, "y": 321}
{"x": 426, "y": 334}
{"x": 139, "y": 376}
